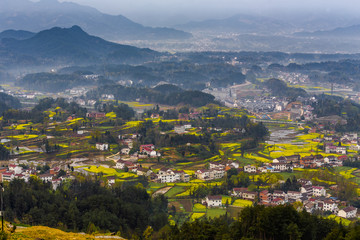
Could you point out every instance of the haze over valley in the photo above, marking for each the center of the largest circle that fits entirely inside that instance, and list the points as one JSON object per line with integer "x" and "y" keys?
{"x": 179, "y": 119}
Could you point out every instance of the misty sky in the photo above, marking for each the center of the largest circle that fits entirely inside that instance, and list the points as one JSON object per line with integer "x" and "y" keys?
{"x": 167, "y": 12}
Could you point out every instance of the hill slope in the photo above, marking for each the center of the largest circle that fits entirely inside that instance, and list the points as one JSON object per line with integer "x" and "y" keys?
{"x": 239, "y": 23}
{"x": 73, "y": 45}
{"x": 351, "y": 31}
{"x": 41, "y": 232}
{"x": 16, "y": 34}
{"x": 45, "y": 14}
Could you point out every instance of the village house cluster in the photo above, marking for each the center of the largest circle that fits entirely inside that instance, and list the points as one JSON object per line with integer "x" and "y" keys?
{"x": 312, "y": 199}
{"x": 17, "y": 171}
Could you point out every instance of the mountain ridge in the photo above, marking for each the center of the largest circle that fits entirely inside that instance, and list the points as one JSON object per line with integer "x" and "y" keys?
{"x": 73, "y": 45}
{"x": 350, "y": 31}
{"x": 16, "y": 34}
{"x": 45, "y": 14}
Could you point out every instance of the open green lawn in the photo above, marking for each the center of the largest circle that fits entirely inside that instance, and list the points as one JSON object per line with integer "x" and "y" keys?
{"x": 234, "y": 211}
{"x": 287, "y": 175}
{"x": 215, "y": 212}
{"x": 175, "y": 191}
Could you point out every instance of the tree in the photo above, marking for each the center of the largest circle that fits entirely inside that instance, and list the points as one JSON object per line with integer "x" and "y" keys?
{"x": 147, "y": 233}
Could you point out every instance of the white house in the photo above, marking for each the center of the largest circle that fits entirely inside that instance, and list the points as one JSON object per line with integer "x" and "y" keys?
{"x": 47, "y": 177}
{"x": 13, "y": 167}
{"x": 250, "y": 169}
{"x": 184, "y": 177}
{"x": 232, "y": 164}
{"x": 335, "y": 149}
{"x": 319, "y": 191}
{"x": 216, "y": 165}
{"x": 125, "y": 151}
{"x": 329, "y": 206}
{"x": 278, "y": 194}
{"x": 120, "y": 164}
{"x": 348, "y": 212}
{"x": 294, "y": 195}
{"x": 179, "y": 129}
{"x": 111, "y": 180}
{"x": 237, "y": 192}
{"x": 217, "y": 173}
{"x": 8, "y": 176}
{"x": 213, "y": 201}
{"x": 187, "y": 126}
{"x": 203, "y": 174}
{"x": 282, "y": 167}
{"x": 211, "y": 174}
{"x": 102, "y": 146}
{"x": 307, "y": 189}
{"x": 56, "y": 183}
{"x": 154, "y": 154}
{"x": 167, "y": 175}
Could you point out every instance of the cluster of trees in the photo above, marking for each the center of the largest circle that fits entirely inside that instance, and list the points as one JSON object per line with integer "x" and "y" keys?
{"x": 84, "y": 205}
{"x": 4, "y": 152}
{"x": 259, "y": 222}
{"x": 353, "y": 164}
{"x": 150, "y": 134}
{"x": 122, "y": 110}
{"x": 129, "y": 210}
{"x": 188, "y": 74}
{"x": 55, "y": 82}
{"x": 71, "y": 108}
{"x": 197, "y": 150}
{"x": 52, "y": 82}
{"x": 15, "y": 115}
{"x": 37, "y": 114}
{"x": 97, "y": 137}
{"x": 148, "y": 95}
{"x": 290, "y": 185}
{"x": 7, "y": 102}
{"x": 280, "y": 89}
{"x": 327, "y": 105}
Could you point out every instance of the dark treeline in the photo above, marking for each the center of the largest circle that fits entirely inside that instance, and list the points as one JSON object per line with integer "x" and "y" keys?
{"x": 147, "y": 95}
{"x": 33, "y": 116}
{"x": 259, "y": 222}
{"x": 4, "y": 152}
{"x": 52, "y": 82}
{"x": 332, "y": 105}
{"x": 84, "y": 206}
{"x": 280, "y": 89}
{"x": 353, "y": 164}
{"x": 7, "y": 102}
{"x": 122, "y": 110}
{"x": 150, "y": 134}
{"x": 71, "y": 108}
{"x": 187, "y": 74}
{"x": 37, "y": 114}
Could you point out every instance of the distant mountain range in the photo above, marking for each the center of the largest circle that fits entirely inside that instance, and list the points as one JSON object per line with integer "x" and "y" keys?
{"x": 240, "y": 23}
{"x": 349, "y": 32}
{"x": 45, "y": 14}
{"x": 275, "y": 25}
{"x": 70, "y": 45}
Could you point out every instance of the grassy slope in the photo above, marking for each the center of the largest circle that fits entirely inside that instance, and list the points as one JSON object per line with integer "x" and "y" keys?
{"x": 41, "y": 232}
